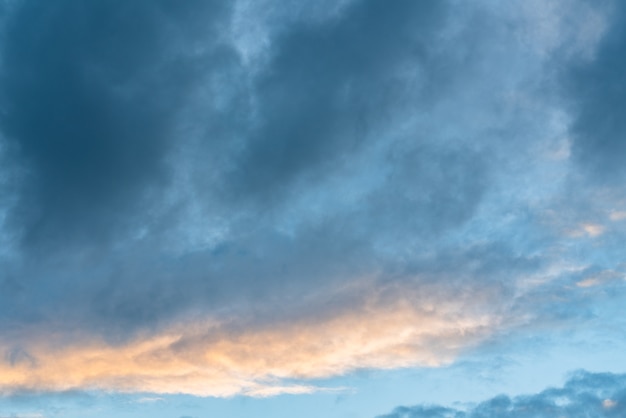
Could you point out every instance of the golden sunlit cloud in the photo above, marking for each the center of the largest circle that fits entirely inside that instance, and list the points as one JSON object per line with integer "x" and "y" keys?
{"x": 206, "y": 358}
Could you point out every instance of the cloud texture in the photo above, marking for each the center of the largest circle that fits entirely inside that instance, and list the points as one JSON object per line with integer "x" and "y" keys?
{"x": 218, "y": 198}
{"x": 583, "y": 395}
{"x": 212, "y": 359}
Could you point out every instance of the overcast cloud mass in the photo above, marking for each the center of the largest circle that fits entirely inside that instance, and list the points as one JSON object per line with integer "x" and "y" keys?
{"x": 258, "y": 198}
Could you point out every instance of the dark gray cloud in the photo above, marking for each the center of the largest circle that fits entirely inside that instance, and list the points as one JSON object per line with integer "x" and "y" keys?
{"x": 594, "y": 88}
{"x": 585, "y": 394}
{"x": 89, "y": 97}
{"x": 329, "y": 85}
{"x": 103, "y": 106}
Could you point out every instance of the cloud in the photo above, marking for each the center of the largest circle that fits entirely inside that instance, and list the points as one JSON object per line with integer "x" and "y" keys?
{"x": 428, "y": 320}
{"x": 90, "y": 98}
{"x": 192, "y": 204}
{"x": 592, "y": 87}
{"x": 149, "y": 400}
{"x": 585, "y": 394}
{"x": 325, "y": 85}
{"x": 156, "y": 171}
{"x": 208, "y": 358}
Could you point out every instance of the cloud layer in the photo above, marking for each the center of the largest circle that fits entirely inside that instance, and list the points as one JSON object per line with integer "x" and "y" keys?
{"x": 218, "y": 199}
{"x": 207, "y": 358}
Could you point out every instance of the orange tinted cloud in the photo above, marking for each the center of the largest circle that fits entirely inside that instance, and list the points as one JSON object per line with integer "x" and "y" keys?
{"x": 206, "y": 358}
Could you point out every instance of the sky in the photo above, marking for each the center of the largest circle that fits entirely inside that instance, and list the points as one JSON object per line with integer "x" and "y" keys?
{"x": 342, "y": 209}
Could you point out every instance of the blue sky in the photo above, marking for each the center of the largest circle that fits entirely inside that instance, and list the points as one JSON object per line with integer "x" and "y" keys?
{"x": 348, "y": 208}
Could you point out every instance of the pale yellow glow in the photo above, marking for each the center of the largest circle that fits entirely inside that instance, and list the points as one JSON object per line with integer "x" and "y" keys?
{"x": 588, "y": 229}
{"x": 603, "y": 277}
{"x": 206, "y": 358}
{"x": 609, "y": 403}
{"x": 593, "y": 230}
{"x": 590, "y": 282}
